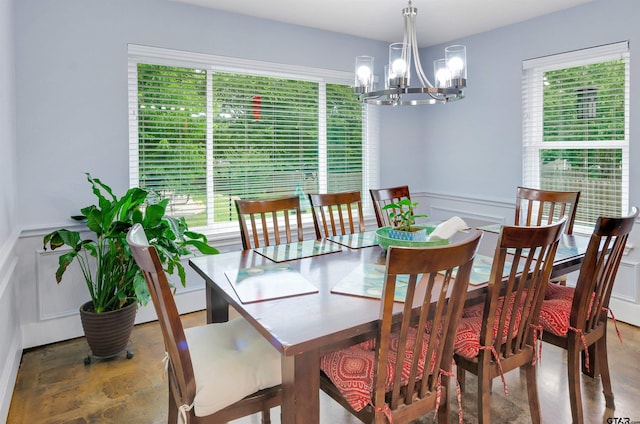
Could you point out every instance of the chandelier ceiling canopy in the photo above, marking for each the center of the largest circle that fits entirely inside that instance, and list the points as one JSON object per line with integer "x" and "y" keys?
{"x": 450, "y": 73}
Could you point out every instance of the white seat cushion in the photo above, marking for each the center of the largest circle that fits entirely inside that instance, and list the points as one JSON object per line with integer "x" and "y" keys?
{"x": 230, "y": 360}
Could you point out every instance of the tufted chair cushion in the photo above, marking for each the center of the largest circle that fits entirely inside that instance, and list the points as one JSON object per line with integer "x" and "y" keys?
{"x": 351, "y": 369}
{"x": 467, "y": 342}
{"x": 244, "y": 363}
{"x": 556, "y": 309}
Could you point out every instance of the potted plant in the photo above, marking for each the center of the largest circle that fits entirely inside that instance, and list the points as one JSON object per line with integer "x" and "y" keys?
{"x": 403, "y": 221}
{"x": 115, "y": 284}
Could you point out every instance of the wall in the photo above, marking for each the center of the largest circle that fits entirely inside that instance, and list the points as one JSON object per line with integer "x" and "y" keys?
{"x": 71, "y": 95}
{"x": 474, "y": 147}
{"x": 11, "y": 341}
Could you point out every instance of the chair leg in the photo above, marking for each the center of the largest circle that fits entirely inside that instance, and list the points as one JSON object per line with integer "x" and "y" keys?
{"x": 461, "y": 376}
{"x": 172, "y": 414}
{"x": 601, "y": 348}
{"x": 532, "y": 392}
{"x": 484, "y": 399}
{"x": 573, "y": 370}
{"x": 444, "y": 410}
{"x": 266, "y": 416}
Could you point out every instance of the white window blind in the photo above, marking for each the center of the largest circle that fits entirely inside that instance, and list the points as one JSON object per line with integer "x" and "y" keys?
{"x": 575, "y": 128}
{"x": 204, "y": 133}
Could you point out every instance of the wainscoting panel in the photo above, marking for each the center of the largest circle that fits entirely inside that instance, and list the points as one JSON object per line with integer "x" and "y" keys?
{"x": 57, "y": 300}
{"x": 625, "y": 287}
{"x": 11, "y": 340}
{"x": 49, "y": 312}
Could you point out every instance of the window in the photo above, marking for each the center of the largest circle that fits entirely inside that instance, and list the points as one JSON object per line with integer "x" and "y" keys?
{"x": 576, "y": 130}
{"x": 206, "y": 130}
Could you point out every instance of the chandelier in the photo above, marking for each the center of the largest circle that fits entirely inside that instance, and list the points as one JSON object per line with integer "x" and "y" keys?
{"x": 450, "y": 73}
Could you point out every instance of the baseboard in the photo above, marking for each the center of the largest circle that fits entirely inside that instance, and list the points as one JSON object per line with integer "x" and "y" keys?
{"x": 9, "y": 376}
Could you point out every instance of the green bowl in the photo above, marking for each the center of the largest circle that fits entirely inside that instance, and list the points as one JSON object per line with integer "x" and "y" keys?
{"x": 382, "y": 236}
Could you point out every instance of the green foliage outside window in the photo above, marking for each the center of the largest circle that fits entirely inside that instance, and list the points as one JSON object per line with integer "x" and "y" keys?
{"x": 265, "y": 132}
{"x": 586, "y": 105}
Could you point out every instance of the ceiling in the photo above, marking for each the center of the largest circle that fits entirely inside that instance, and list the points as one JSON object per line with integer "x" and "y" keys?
{"x": 438, "y": 21}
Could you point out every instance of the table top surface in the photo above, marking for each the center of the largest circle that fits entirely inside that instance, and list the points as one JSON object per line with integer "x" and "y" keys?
{"x": 324, "y": 320}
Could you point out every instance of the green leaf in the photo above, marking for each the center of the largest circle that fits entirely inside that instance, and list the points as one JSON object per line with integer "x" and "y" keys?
{"x": 63, "y": 263}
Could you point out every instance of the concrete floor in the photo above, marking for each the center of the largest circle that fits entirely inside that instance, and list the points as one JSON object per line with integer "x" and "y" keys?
{"x": 54, "y": 386}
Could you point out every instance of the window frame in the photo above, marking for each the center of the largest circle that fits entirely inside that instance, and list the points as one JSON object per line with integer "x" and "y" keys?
{"x": 533, "y": 115}
{"x": 168, "y": 57}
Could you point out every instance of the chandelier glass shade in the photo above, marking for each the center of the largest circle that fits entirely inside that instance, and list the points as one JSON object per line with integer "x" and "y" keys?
{"x": 450, "y": 73}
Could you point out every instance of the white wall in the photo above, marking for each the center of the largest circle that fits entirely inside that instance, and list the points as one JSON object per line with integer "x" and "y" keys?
{"x": 10, "y": 340}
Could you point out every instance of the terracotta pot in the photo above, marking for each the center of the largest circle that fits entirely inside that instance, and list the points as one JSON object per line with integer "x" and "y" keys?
{"x": 107, "y": 333}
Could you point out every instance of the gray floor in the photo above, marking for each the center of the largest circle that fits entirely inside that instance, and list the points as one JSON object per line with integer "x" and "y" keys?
{"x": 54, "y": 386}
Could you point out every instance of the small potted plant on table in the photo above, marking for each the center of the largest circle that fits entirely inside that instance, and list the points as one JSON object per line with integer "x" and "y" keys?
{"x": 403, "y": 221}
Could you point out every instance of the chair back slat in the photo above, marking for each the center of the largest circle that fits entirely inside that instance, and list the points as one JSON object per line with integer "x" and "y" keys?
{"x": 181, "y": 376}
{"x": 426, "y": 328}
{"x": 536, "y": 207}
{"x": 264, "y": 222}
{"x": 599, "y": 270}
{"x": 384, "y": 196}
{"x": 333, "y": 213}
{"x": 520, "y": 272}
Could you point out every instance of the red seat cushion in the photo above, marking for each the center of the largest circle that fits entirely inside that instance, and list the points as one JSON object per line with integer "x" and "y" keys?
{"x": 351, "y": 369}
{"x": 467, "y": 341}
{"x": 556, "y": 309}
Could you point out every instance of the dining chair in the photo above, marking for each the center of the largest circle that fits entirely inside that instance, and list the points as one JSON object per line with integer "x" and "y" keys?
{"x": 540, "y": 207}
{"x": 264, "y": 222}
{"x": 537, "y": 207}
{"x": 337, "y": 213}
{"x": 383, "y": 196}
{"x": 403, "y": 372}
{"x": 216, "y": 372}
{"x": 575, "y": 319}
{"x": 492, "y": 338}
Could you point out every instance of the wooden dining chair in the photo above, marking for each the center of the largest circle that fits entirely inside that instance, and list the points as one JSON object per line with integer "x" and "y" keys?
{"x": 404, "y": 372}
{"x": 540, "y": 207}
{"x": 337, "y": 213}
{"x": 575, "y": 319}
{"x": 493, "y": 339}
{"x": 216, "y": 372}
{"x": 265, "y": 222}
{"x": 383, "y": 196}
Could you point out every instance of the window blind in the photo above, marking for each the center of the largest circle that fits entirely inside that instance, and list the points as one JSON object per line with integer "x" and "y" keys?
{"x": 575, "y": 128}
{"x": 204, "y": 134}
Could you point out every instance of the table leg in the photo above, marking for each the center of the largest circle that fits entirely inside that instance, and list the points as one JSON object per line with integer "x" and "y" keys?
{"x": 301, "y": 388}
{"x": 217, "y": 307}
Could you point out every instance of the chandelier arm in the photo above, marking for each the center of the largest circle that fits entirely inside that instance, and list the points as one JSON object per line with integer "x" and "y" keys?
{"x": 411, "y": 24}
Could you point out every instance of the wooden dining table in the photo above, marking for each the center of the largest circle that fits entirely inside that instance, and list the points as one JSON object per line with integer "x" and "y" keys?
{"x": 303, "y": 327}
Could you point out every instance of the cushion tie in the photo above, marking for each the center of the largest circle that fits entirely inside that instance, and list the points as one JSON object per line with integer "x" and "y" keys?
{"x": 584, "y": 344}
{"x": 458, "y": 391}
{"x": 615, "y": 323}
{"x": 165, "y": 365}
{"x": 386, "y": 411}
{"x": 182, "y": 413}
{"x": 495, "y": 355}
{"x": 537, "y": 343}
